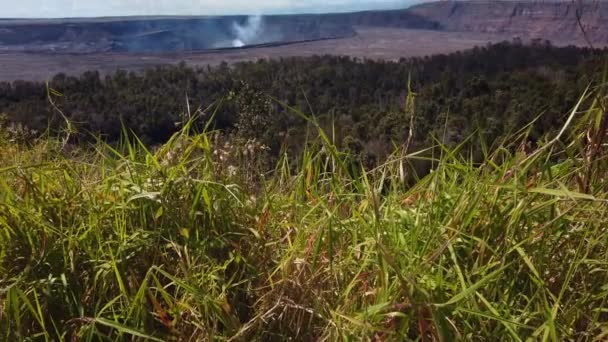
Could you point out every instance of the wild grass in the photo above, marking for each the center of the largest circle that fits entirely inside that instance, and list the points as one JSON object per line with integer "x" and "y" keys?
{"x": 188, "y": 243}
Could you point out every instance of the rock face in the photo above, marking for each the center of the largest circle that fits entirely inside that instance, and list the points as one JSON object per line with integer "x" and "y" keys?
{"x": 553, "y": 20}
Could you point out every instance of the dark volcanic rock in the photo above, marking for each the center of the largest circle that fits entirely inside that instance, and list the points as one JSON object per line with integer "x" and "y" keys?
{"x": 167, "y": 34}
{"x": 552, "y": 20}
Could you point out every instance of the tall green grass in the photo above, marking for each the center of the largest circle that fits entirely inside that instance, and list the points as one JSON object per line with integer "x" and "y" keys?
{"x": 188, "y": 242}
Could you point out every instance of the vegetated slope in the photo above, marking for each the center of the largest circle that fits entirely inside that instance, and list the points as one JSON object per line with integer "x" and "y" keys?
{"x": 194, "y": 242}
{"x": 552, "y": 20}
{"x": 490, "y": 90}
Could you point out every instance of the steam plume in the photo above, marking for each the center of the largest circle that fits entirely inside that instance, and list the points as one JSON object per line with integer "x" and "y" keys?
{"x": 249, "y": 33}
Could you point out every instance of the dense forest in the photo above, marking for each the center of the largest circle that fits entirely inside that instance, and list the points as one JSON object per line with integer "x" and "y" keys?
{"x": 490, "y": 90}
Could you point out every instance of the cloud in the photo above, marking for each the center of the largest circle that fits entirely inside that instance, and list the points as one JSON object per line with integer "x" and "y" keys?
{"x": 97, "y": 8}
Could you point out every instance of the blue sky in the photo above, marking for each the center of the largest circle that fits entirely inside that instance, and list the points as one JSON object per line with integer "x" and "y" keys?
{"x": 95, "y": 8}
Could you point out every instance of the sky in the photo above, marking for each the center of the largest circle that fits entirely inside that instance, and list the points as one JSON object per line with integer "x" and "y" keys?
{"x": 99, "y": 8}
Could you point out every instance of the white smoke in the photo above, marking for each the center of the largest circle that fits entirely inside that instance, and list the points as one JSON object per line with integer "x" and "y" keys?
{"x": 249, "y": 33}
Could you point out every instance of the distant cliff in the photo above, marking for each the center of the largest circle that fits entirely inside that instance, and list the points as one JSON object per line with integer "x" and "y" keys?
{"x": 552, "y": 20}
{"x": 166, "y": 34}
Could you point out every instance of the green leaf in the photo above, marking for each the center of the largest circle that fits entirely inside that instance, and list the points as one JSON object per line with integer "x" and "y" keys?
{"x": 471, "y": 290}
{"x": 153, "y": 196}
{"x": 562, "y": 193}
{"x": 124, "y": 329}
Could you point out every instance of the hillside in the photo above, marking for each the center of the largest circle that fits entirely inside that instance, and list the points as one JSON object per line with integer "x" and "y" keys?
{"x": 551, "y": 20}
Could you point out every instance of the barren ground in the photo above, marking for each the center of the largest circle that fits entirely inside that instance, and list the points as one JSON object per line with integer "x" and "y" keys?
{"x": 375, "y": 43}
